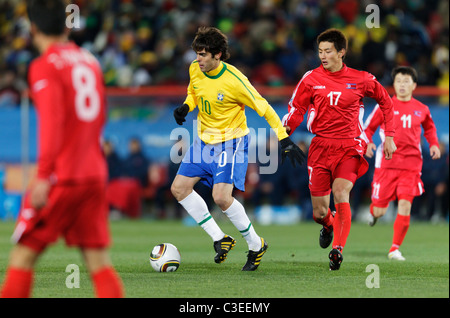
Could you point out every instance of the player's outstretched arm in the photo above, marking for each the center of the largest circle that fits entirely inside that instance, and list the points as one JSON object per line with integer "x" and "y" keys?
{"x": 180, "y": 113}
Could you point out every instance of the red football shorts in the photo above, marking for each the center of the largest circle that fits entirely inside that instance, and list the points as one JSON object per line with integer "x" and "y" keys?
{"x": 392, "y": 184}
{"x": 329, "y": 159}
{"x": 79, "y": 213}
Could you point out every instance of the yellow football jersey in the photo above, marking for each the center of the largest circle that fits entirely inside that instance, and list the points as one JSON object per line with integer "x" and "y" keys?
{"x": 221, "y": 96}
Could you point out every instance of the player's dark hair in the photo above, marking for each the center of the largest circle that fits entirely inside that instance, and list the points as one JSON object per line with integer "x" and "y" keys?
{"x": 334, "y": 36}
{"x": 49, "y": 16}
{"x": 212, "y": 40}
{"x": 405, "y": 70}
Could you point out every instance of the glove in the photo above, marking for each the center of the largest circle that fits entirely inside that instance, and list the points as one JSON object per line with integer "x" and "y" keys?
{"x": 180, "y": 113}
{"x": 288, "y": 148}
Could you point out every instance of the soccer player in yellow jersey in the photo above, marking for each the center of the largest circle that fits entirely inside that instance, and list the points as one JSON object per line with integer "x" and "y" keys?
{"x": 219, "y": 155}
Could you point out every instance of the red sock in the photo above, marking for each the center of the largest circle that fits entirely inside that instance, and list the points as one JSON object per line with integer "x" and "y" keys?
{"x": 327, "y": 221}
{"x": 401, "y": 226}
{"x": 342, "y": 224}
{"x": 17, "y": 284}
{"x": 107, "y": 283}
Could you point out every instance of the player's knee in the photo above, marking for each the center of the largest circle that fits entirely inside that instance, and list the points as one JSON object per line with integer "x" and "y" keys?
{"x": 341, "y": 190}
{"x": 222, "y": 200}
{"x": 96, "y": 259}
{"x": 175, "y": 190}
{"x": 179, "y": 191}
{"x": 341, "y": 194}
{"x": 23, "y": 257}
{"x": 404, "y": 207}
{"x": 378, "y": 211}
{"x": 319, "y": 212}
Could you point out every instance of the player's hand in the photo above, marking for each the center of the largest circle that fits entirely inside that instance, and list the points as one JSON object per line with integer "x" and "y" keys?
{"x": 389, "y": 147}
{"x": 288, "y": 130}
{"x": 39, "y": 193}
{"x": 371, "y": 147}
{"x": 291, "y": 150}
{"x": 435, "y": 152}
{"x": 180, "y": 113}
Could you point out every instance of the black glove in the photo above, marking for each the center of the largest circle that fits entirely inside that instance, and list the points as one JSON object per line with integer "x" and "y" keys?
{"x": 288, "y": 148}
{"x": 180, "y": 113}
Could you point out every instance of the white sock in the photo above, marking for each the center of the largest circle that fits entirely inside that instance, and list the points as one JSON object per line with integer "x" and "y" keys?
{"x": 197, "y": 208}
{"x": 236, "y": 214}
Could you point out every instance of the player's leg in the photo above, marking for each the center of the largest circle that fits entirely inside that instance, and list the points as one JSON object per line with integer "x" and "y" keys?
{"x": 376, "y": 212}
{"x": 23, "y": 257}
{"x": 84, "y": 224}
{"x": 401, "y": 226}
{"x": 230, "y": 172}
{"x": 183, "y": 186}
{"x": 18, "y": 281}
{"x": 409, "y": 186}
{"x": 343, "y": 218}
{"x": 323, "y": 216}
{"x": 320, "y": 206}
{"x": 222, "y": 194}
{"x": 320, "y": 189}
{"x": 106, "y": 281}
{"x": 196, "y": 166}
{"x": 233, "y": 209}
{"x": 342, "y": 221}
{"x": 223, "y": 199}
{"x": 183, "y": 191}
{"x": 345, "y": 175}
{"x": 384, "y": 187}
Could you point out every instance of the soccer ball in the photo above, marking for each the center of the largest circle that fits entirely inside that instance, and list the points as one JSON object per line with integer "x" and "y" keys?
{"x": 165, "y": 258}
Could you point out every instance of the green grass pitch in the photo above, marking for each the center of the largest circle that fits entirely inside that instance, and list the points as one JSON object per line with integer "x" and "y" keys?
{"x": 293, "y": 267}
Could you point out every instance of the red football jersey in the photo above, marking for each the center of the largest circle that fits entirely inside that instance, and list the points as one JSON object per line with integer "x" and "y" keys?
{"x": 409, "y": 118}
{"x": 67, "y": 89}
{"x": 334, "y": 101}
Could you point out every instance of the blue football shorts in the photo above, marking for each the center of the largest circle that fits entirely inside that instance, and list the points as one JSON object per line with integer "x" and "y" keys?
{"x": 224, "y": 162}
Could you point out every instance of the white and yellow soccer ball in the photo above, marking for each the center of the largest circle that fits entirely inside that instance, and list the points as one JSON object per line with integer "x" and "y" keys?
{"x": 165, "y": 257}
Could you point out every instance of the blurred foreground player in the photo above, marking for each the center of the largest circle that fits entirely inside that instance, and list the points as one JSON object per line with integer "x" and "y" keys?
{"x": 219, "y": 155}
{"x": 68, "y": 196}
{"x": 400, "y": 178}
{"x": 332, "y": 94}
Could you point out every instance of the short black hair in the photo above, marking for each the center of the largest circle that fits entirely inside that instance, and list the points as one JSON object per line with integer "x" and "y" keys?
{"x": 405, "y": 70}
{"x": 212, "y": 40}
{"x": 334, "y": 36}
{"x": 49, "y": 16}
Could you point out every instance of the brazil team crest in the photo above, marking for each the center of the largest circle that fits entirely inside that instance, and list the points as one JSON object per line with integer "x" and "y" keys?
{"x": 220, "y": 97}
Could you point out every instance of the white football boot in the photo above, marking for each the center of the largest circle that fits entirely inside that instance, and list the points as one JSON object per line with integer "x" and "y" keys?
{"x": 396, "y": 255}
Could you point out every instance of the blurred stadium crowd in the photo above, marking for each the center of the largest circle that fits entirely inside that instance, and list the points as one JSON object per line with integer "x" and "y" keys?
{"x": 147, "y": 42}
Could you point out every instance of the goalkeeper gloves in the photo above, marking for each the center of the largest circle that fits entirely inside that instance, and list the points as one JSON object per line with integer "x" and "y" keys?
{"x": 291, "y": 150}
{"x": 180, "y": 113}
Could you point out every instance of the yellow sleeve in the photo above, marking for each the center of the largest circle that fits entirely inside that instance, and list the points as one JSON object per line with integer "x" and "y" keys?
{"x": 191, "y": 99}
{"x": 274, "y": 121}
{"x": 250, "y": 97}
{"x": 246, "y": 94}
